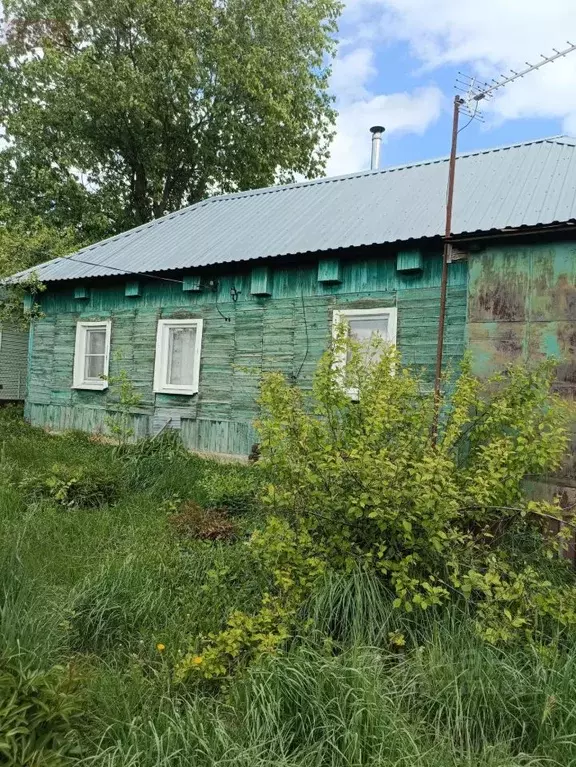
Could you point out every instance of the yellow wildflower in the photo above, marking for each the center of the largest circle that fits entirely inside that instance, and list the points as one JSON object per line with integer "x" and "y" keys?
{"x": 160, "y": 647}
{"x": 197, "y": 660}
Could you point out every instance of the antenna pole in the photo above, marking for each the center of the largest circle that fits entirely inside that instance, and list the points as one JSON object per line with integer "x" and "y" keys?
{"x": 446, "y": 257}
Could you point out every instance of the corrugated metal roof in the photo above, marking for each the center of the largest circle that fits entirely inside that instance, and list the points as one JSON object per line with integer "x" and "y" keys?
{"x": 527, "y": 184}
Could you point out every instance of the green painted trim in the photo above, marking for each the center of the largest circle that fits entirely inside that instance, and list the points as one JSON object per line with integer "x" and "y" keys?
{"x": 409, "y": 261}
{"x": 330, "y": 271}
{"x": 191, "y": 284}
{"x": 132, "y": 289}
{"x": 28, "y": 302}
{"x": 81, "y": 291}
{"x": 261, "y": 281}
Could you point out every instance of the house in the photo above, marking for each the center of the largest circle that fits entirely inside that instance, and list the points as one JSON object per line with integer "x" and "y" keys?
{"x": 13, "y": 363}
{"x": 193, "y": 306}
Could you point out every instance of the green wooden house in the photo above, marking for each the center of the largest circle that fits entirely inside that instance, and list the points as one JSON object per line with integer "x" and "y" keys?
{"x": 193, "y": 306}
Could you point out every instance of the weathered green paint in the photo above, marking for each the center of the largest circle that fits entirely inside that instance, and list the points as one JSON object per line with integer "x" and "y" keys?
{"x": 261, "y": 283}
{"x": 81, "y": 291}
{"x": 329, "y": 271}
{"x": 191, "y": 283}
{"x": 13, "y": 362}
{"x": 28, "y": 302}
{"x": 132, "y": 289}
{"x": 409, "y": 261}
{"x": 522, "y": 308}
{"x": 286, "y": 332}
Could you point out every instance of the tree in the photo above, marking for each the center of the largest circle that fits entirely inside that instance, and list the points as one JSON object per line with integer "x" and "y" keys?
{"x": 119, "y": 111}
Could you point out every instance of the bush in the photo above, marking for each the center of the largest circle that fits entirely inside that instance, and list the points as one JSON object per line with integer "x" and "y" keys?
{"x": 367, "y": 481}
{"x": 74, "y": 487}
{"x": 38, "y": 710}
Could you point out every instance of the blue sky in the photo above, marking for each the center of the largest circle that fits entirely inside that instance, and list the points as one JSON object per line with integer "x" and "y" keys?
{"x": 398, "y": 61}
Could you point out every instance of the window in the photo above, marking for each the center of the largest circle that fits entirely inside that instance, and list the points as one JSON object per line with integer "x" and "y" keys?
{"x": 178, "y": 345}
{"x": 363, "y": 324}
{"x": 91, "y": 355}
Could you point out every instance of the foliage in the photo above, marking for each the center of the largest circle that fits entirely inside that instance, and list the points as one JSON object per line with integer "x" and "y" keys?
{"x": 38, "y": 710}
{"x": 13, "y": 297}
{"x": 102, "y": 592}
{"x": 192, "y": 521}
{"x": 134, "y": 110}
{"x": 85, "y": 487}
{"x": 119, "y": 423}
{"x": 359, "y": 481}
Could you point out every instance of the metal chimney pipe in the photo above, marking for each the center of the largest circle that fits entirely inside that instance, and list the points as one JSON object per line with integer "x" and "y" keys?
{"x": 376, "y": 131}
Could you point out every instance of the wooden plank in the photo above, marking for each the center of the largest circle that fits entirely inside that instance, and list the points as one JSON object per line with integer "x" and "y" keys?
{"x": 81, "y": 292}
{"x": 329, "y": 271}
{"x": 133, "y": 289}
{"x": 191, "y": 283}
{"x": 261, "y": 281}
{"x": 409, "y": 261}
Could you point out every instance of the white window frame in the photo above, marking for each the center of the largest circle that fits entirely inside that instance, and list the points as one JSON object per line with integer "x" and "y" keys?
{"x": 391, "y": 312}
{"x": 161, "y": 386}
{"x": 79, "y": 381}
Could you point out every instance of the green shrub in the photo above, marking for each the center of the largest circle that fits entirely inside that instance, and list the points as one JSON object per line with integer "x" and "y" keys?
{"x": 73, "y": 487}
{"x": 38, "y": 711}
{"x": 364, "y": 481}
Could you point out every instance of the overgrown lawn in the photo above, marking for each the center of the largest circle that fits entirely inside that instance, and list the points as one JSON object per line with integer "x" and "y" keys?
{"x": 114, "y": 594}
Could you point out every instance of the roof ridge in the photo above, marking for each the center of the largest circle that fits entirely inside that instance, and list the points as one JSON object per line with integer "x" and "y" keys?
{"x": 380, "y": 171}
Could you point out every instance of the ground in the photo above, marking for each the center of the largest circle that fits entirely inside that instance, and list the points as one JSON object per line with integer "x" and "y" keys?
{"x": 115, "y": 592}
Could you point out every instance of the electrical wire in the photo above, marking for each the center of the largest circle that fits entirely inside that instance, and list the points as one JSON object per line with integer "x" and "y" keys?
{"x": 297, "y": 376}
{"x": 470, "y": 120}
{"x": 123, "y": 271}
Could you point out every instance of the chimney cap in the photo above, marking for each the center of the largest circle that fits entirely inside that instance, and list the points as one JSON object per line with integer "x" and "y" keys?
{"x": 377, "y": 129}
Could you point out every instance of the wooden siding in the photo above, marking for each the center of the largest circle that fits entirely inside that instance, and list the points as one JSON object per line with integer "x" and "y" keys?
{"x": 13, "y": 363}
{"x": 287, "y": 331}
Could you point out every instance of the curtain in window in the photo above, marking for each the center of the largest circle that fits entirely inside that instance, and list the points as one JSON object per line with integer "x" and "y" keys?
{"x": 95, "y": 357}
{"x": 362, "y": 329}
{"x": 181, "y": 344}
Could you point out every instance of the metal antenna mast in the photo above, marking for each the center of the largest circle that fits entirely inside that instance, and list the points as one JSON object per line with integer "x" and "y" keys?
{"x": 474, "y": 93}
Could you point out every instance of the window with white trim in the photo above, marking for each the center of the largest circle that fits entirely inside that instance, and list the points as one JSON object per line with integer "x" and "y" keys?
{"x": 364, "y": 324}
{"x": 92, "y": 355}
{"x": 178, "y": 348}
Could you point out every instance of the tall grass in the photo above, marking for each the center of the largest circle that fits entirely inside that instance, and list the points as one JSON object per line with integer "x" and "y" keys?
{"x": 104, "y": 589}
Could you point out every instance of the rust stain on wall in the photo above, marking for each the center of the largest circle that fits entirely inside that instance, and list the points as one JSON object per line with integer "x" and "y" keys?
{"x": 499, "y": 291}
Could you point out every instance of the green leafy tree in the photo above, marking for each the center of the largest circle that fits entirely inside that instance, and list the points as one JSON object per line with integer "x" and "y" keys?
{"x": 358, "y": 482}
{"x": 119, "y": 111}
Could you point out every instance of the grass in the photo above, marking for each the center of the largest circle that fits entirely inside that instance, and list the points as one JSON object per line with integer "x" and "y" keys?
{"x": 97, "y": 590}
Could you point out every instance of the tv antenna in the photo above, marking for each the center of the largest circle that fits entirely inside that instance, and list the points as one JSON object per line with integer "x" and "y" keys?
{"x": 473, "y": 92}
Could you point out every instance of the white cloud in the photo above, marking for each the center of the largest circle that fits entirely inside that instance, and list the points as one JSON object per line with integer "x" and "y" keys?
{"x": 359, "y": 109}
{"x": 483, "y": 37}
{"x": 351, "y": 72}
{"x": 487, "y": 38}
{"x": 398, "y": 112}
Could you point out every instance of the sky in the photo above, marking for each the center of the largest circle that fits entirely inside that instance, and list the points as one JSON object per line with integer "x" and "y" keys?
{"x": 398, "y": 62}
